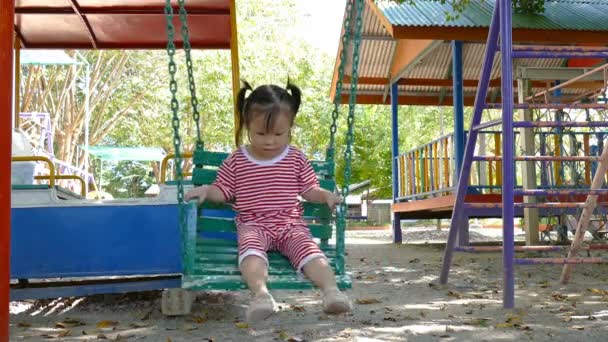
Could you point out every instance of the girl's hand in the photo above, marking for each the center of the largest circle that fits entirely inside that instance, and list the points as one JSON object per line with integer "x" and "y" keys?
{"x": 199, "y": 192}
{"x": 332, "y": 199}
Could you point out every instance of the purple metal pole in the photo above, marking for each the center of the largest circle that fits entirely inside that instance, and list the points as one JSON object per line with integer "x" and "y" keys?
{"x": 559, "y": 54}
{"x": 463, "y": 180}
{"x": 508, "y": 209}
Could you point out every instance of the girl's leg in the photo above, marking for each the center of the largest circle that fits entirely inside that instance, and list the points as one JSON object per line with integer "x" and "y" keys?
{"x": 255, "y": 273}
{"x": 306, "y": 256}
{"x": 321, "y": 274}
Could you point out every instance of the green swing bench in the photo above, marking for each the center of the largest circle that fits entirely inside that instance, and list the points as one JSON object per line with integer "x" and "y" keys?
{"x": 209, "y": 248}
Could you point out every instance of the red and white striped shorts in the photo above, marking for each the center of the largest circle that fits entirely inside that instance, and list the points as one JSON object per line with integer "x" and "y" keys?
{"x": 293, "y": 240}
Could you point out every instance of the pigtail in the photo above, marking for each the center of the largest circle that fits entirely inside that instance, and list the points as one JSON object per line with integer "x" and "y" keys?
{"x": 296, "y": 95}
{"x": 240, "y": 105}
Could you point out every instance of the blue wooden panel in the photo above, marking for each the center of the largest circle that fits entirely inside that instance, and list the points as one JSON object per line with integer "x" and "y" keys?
{"x": 92, "y": 289}
{"x": 94, "y": 241}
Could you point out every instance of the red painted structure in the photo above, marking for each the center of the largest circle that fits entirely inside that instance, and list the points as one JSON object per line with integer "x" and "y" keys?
{"x": 118, "y": 24}
{"x": 6, "y": 92}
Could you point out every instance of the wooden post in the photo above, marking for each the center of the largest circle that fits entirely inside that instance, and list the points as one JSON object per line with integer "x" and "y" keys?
{"x": 528, "y": 167}
{"x": 7, "y": 16}
{"x": 583, "y": 221}
{"x": 17, "y": 86}
{"x": 234, "y": 57}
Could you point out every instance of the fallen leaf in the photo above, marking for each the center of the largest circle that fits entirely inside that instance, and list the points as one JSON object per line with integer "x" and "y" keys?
{"x": 559, "y": 297}
{"x": 64, "y": 333}
{"x": 598, "y": 291}
{"x": 469, "y": 312}
{"x": 365, "y": 301}
{"x": 567, "y": 319}
{"x": 544, "y": 284}
{"x": 479, "y": 322}
{"x": 505, "y": 325}
{"x": 455, "y": 294}
{"x": 578, "y": 327}
{"x": 23, "y": 325}
{"x": 106, "y": 324}
{"x": 102, "y": 337}
{"x": 47, "y": 336}
{"x": 138, "y": 325}
{"x": 298, "y": 308}
{"x": 591, "y": 318}
{"x": 295, "y": 339}
{"x": 168, "y": 339}
{"x": 242, "y": 325}
{"x": 283, "y": 335}
{"x": 415, "y": 260}
{"x": 370, "y": 277}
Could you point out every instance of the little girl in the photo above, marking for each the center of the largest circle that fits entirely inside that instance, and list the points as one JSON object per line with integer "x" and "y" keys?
{"x": 264, "y": 179}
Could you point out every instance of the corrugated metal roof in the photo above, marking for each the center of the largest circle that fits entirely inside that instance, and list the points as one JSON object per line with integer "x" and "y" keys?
{"x": 558, "y": 15}
{"x": 377, "y": 50}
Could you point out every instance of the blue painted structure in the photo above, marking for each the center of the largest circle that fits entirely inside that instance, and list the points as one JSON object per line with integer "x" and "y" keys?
{"x": 95, "y": 241}
{"x": 397, "y": 237}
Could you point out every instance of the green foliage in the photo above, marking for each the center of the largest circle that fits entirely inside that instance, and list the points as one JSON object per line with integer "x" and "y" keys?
{"x": 459, "y": 6}
{"x": 269, "y": 53}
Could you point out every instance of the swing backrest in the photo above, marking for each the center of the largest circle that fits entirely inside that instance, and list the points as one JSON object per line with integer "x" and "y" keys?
{"x": 206, "y": 164}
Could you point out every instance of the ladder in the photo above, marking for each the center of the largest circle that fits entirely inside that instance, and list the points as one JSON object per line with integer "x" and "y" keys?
{"x": 501, "y": 24}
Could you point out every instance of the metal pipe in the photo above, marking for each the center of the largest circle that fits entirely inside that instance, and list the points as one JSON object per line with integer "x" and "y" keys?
{"x": 560, "y": 261}
{"x": 551, "y": 106}
{"x": 508, "y": 209}
{"x": 164, "y": 163}
{"x": 563, "y": 84}
{"x": 560, "y": 124}
{"x": 537, "y": 158}
{"x": 397, "y": 238}
{"x": 553, "y": 192}
{"x": 482, "y": 91}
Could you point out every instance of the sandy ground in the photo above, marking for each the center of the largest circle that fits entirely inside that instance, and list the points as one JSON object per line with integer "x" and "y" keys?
{"x": 395, "y": 300}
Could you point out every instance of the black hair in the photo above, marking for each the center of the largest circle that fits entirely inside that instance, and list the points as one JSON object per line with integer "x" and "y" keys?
{"x": 269, "y": 100}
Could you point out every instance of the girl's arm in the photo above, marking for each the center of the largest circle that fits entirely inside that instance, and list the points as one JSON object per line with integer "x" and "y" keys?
{"x": 204, "y": 193}
{"x": 319, "y": 195}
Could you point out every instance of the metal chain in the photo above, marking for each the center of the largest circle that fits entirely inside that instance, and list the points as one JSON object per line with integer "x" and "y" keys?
{"x": 350, "y": 138}
{"x": 174, "y": 102}
{"x": 339, "y": 84}
{"x": 183, "y": 17}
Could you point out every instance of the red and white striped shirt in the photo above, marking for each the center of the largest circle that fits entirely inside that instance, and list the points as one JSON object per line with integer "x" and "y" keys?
{"x": 266, "y": 191}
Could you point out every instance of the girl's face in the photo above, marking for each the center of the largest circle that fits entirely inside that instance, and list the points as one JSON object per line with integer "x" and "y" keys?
{"x": 269, "y": 143}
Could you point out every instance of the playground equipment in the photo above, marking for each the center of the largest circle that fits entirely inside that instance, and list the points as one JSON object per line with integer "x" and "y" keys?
{"x": 209, "y": 246}
{"x": 501, "y": 24}
{"x": 90, "y": 246}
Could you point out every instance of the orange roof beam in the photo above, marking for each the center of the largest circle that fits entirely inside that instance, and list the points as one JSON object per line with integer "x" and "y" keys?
{"x": 447, "y": 82}
{"x": 481, "y": 33}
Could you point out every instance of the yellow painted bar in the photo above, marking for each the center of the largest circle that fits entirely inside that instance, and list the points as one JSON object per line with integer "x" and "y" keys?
{"x": 164, "y": 163}
{"x": 83, "y": 190}
{"x": 498, "y": 152}
{"x": 557, "y": 165}
{"x": 586, "y": 150}
{"x": 446, "y": 164}
{"x": 234, "y": 58}
{"x": 411, "y": 173}
{"x": 436, "y": 166}
{"x": 17, "y": 85}
{"x": 402, "y": 175}
{"x": 42, "y": 159}
{"x": 416, "y": 165}
{"x": 425, "y": 170}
